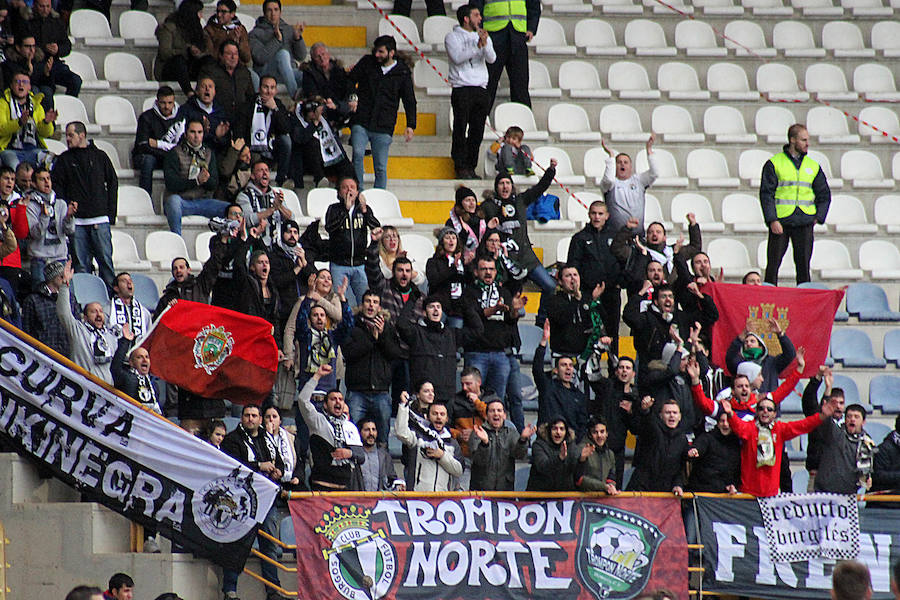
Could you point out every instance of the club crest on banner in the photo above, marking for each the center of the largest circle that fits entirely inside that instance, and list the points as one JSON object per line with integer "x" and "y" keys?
{"x": 212, "y": 346}
{"x": 225, "y": 508}
{"x": 615, "y": 551}
{"x": 758, "y": 323}
{"x": 362, "y": 564}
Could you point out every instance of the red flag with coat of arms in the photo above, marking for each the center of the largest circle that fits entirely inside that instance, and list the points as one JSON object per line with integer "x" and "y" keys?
{"x": 805, "y": 315}
{"x": 213, "y": 352}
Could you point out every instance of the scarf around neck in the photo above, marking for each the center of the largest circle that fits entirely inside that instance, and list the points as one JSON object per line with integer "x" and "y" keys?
{"x": 765, "y": 445}
{"x": 133, "y": 316}
{"x": 26, "y": 135}
{"x": 345, "y": 434}
{"x": 260, "y": 140}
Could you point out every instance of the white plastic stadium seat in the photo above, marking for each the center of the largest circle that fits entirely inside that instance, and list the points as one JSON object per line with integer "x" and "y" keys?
{"x": 622, "y": 123}
{"x": 647, "y": 38}
{"x": 867, "y": 8}
{"x": 292, "y": 202}
{"x": 787, "y": 268}
{"x": 128, "y": 71}
{"x": 539, "y": 83}
{"x": 418, "y": 249}
{"x": 93, "y": 27}
{"x": 162, "y": 246}
{"x": 795, "y": 40}
{"x": 83, "y": 65}
{"x": 674, "y": 123}
{"x": 750, "y": 164}
{"x": 570, "y": 7}
{"x": 885, "y": 119}
{"x": 581, "y": 80}
{"x": 564, "y": 172}
{"x": 409, "y": 29}
{"x": 685, "y": 203}
{"x": 201, "y": 245}
{"x": 748, "y": 39}
{"x": 743, "y": 213}
{"x": 618, "y": 7}
{"x": 864, "y": 169}
{"x": 576, "y": 211}
{"x": 828, "y": 83}
{"x": 719, "y": 7}
{"x": 435, "y": 28}
{"x": 875, "y": 82}
{"x": 551, "y": 39}
{"x": 830, "y": 126}
{"x": 387, "y": 208}
{"x": 832, "y": 260}
{"x": 697, "y": 38}
{"x": 138, "y": 26}
{"x": 653, "y": 211}
{"x": 55, "y": 146}
{"x": 71, "y": 109}
{"x": 597, "y": 38}
{"x": 570, "y": 122}
{"x": 848, "y": 215}
{"x": 660, "y": 9}
{"x": 679, "y": 80}
{"x": 817, "y": 8}
{"x": 729, "y": 82}
{"x": 779, "y": 82}
{"x": 731, "y": 255}
{"x": 767, "y": 7}
{"x": 834, "y": 182}
{"x": 772, "y": 123}
{"x": 595, "y": 163}
{"x": 845, "y": 40}
{"x": 136, "y": 207}
{"x": 887, "y": 212}
{"x": 667, "y": 175}
{"x": 318, "y": 200}
{"x": 508, "y": 114}
{"x": 426, "y": 77}
{"x": 881, "y": 258}
{"x": 125, "y": 253}
{"x": 886, "y": 38}
{"x": 117, "y": 113}
{"x": 113, "y": 154}
{"x": 562, "y": 248}
{"x": 895, "y": 166}
{"x": 710, "y": 169}
{"x": 630, "y": 81}
{"x": 726, "y": 125}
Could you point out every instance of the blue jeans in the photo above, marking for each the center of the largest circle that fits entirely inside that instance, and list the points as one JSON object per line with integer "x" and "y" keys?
{"x": 514, "y": 401}
{"x": 11, "y": 158}
{"x": 357, "y": 277}
{"x": 37, "y": 270}
{"x": 381, "y": 143}
{"x": 269, "y": 571}
{"x": 95, "y": 242}
{"x": 542, "y": 278}
{"x": 145, "y": 164}
{"x": 177, "y": 207}
{"x": 494, "y": 367}
{"x": 375, "y": 405}
{"x": 281, "y": 67}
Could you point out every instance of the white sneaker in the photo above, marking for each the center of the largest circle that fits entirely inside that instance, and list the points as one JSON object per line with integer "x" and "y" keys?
{"x": 151, "y": 546}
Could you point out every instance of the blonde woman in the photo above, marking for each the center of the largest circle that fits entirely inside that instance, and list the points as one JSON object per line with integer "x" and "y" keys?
{"x": 391, "y": 247}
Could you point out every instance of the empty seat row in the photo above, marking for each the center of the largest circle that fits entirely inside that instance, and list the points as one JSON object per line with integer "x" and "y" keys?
{"x": 138, "y": 27}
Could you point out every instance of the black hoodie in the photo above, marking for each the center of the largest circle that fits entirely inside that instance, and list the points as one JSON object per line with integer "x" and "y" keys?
{"x": 86, "y": 176}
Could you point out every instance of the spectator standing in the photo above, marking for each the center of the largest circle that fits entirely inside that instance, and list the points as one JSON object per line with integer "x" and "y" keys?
{"x": 579, "y": 321}
{"x": 470, "y": 228}
{"x": 511, "y": 26}
{"x": 811, "y": 405}
{"x": 223, "y": 26}
{"x": 282, "y": 441}
{"x": 131, "y": 372}
{"x": 434, "y": 460}
{"x": 716, "y": 460}
{"x": 847, "y": 453}
{"x": 794, "y": 195}
{"x": 348, "y": 222}
{"x": 187, "y": 286}
{"x": 188, "y": 169}
{"x": 326, "y": 77}
{"x": 446, "y": 274}
{"x": 262, "y": 205}
{"x": 552, "y": 465}
{"x": 624, "y": 190}
{"x": 275, "y": 47}
{"x": 158, "y": 131}
{"x": 39, "y": 318}
{"x": 17, "y": 219}
{"x": 470, "y": 50}
{"x": 383, "y": 79}
{"x": 468, "y": 407}
{"x": 289, "y": 270}
{"x": 434, "y": 7}
{"x": 50, "y": 221}
{"x": 23, "y": 124}
{"x": 886, "y": 472}
{"x": 181, "y": 45}
{"x": 84, "y": 174}
{"x": 317, "y": 148}
{"x": 558, "y": 395}
{"x": 750, "y": 346}
{"x": 256, "y": 296}
{"x": 596, "y": 468}
{"x": 378, "y": 472}
{"x": 24, "y": 171}
{"x": 662, "y": 448}
{"x": 234, "y": 81}
{"x": 265, "y": 123}
{"x": 495, "y": 449}
{"x": 390, "y": 248}
{"x": 605, "y": 403}
{"x": 125, "y": 309}
{"x": 51, "y": 35}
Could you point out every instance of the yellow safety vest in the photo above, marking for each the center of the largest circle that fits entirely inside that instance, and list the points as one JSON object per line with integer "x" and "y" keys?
{"x": 794, "y": 185}
{"x": 497, "y": 13}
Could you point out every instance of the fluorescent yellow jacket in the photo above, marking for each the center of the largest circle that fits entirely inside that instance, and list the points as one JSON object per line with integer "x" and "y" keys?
{"x": 10, "y": 125}
{"x": 497, "y": 13}
{"x": 795, "y": 188}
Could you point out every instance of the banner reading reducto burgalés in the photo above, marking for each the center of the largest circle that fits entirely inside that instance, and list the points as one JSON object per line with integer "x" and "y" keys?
{"x": 737, "y": 558}
{"x": 127, "y": 458}
{"x": 484, "y": 547}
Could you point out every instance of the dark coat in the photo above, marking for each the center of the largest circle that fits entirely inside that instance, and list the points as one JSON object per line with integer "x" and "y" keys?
{"x": 772, "y": 366}
{"x": 152, "y": 125}
{"x": 886, "y": 472}
{"x": 349, "y": 238}
{"x": 380, "y": 95}
{"x": 87, "y": 176}
{"x": 719, "y": 463}
{"x": 604, "y": 402}
{"x": 548, "y": 472}
{"x": 233, "y": 90}
{"x": 494, "y": 463}
{"x": 660, "y": 455}
{"x": 369, "y": 360}
{"x": 557, "y": 400}
{"x": 570, "y": 322}
{"x": 589, "y": 252}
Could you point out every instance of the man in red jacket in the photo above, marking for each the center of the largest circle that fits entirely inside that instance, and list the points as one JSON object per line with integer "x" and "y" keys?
{"x": 764, "y": 439}
{"x": 12, "y": 205}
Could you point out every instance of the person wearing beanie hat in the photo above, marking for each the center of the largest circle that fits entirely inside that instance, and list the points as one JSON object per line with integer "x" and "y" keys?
{"x": 39, "y": 318}
{"x": 750, "y": 346}
{"x": 446, "y": 273}
{"x": 510, "y": 208}
{"x": 469, "y": 226}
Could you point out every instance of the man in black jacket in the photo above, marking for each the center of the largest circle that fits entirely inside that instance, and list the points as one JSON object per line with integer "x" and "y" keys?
{"x": 234, "y": 85}
{"x": 52, "y": 38}
{"x": 662, "y": 448}
{"x": 716, "y": 464}
{"x": 382, "y": 81}
{"x": 368, "y": 352}
{"x": 578, "y": 320}
{"x": 290, "y": 271}
{"x": 886, "y": 472}
{"x": 84, "y": 174}
{"x": 605, "y": 402}
{"x": 347, "y": 222}
{"x": 264, "y": 123}
{"x": 158, "y": 131}
{"x": 186, "y": 286}
{"x": 558, "y": 395}
{"x": 325, "y": 76}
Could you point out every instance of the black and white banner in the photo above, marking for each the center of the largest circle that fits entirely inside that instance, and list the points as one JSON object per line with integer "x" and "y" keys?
{"x": 804, "y": 526}
{"x": 738, "y": 559}
{"x": 126, "y": 457}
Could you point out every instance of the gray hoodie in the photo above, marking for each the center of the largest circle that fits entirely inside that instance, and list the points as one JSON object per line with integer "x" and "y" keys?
{"x": 42, "y": 242}
{"x": 91, "y": 350}
{"x": 264, "y": 45}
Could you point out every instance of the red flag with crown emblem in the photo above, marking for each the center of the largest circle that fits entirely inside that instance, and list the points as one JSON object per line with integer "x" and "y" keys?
{"x": 213, "y": 352}
{"x": 806, "y": 315}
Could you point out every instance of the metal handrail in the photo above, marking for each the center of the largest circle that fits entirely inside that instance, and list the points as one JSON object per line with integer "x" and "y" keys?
{"x": 4, "y": 542}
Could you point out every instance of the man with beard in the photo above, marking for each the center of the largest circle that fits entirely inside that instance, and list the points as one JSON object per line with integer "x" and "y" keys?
{"x": 495, "y": 448}
{"x": 578, "y": 319}
{"x": 290, "y": 270}
{"x": 90, "y": 341}
{"x": 378, "y": 472}
{"x": 596, "y": 468}
{"x": 265, "y": 123}
{"x": 39, "y": 318}
{"x": 434, "y": 460}
{"x": 186, "y": 286}
{"x": 158, "y": 130}
{"x": 261, "y": 203}
{"x": 623, "y": 190}
{"x": 131, "y": 372}
{"x": 716, "y": 460}
{"x": 635, "y": 252}
{"x": 125, "y": 309}
{"x": 661, "y": 448}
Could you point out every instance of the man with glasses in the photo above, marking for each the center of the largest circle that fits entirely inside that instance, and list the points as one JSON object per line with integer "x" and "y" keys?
{"x": 225, "y": 25}
{"x": 24, "y": 123}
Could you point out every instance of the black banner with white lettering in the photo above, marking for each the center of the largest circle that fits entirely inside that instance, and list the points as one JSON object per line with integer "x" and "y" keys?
{"x": 738, "y": 561}
{"x": 131, "y": 460}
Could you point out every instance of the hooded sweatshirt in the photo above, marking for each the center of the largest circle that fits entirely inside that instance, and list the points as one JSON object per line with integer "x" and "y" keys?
{"x": 468, "y": 62}
{"x": 153, "y": 125}
{"x": 772, "y": 366}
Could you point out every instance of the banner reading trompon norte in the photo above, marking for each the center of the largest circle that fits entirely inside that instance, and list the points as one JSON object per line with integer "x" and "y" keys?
{"x": 738, "y": 561}
{"x": 127, "y": 458}
{"x": 488, "y": 547}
